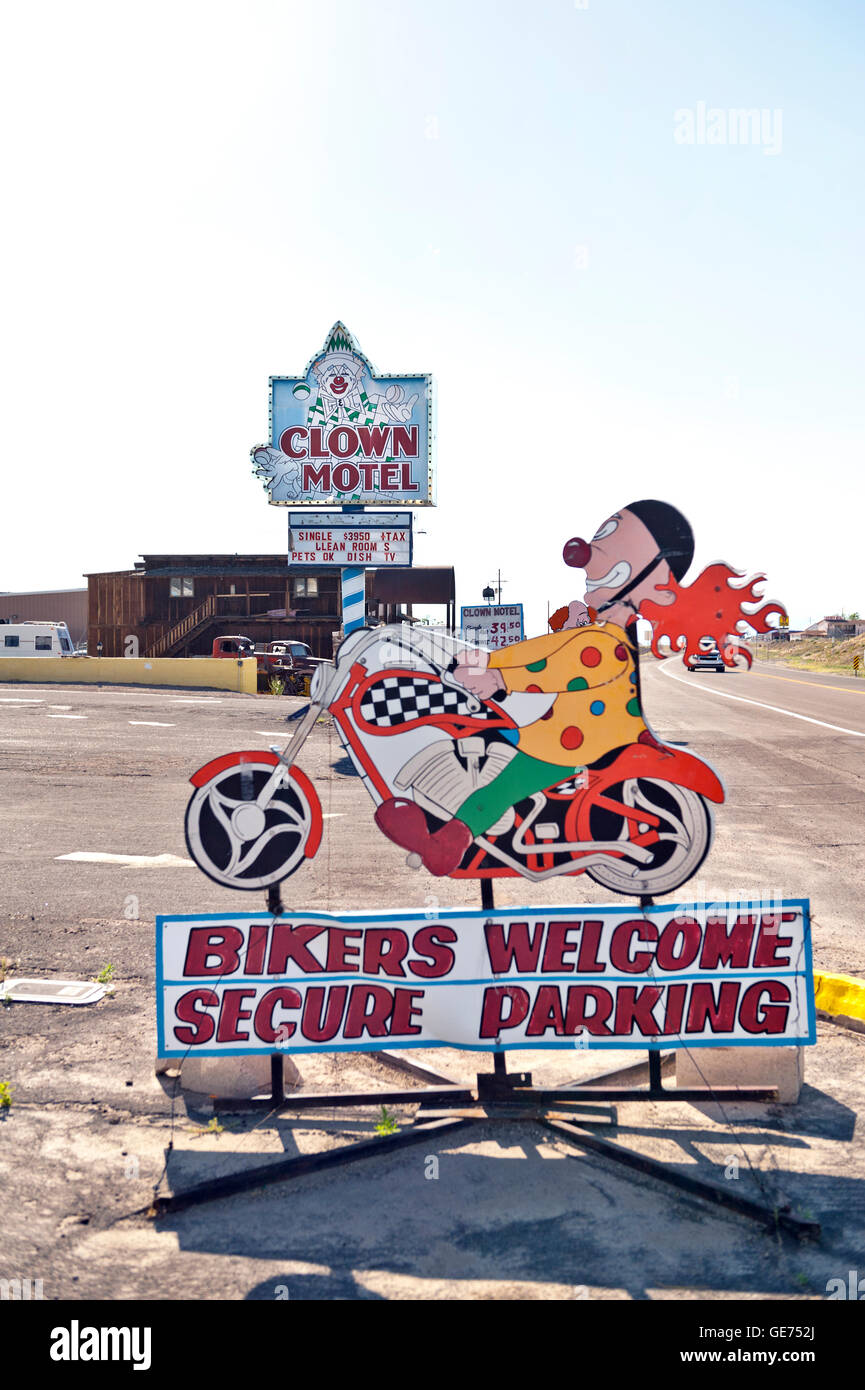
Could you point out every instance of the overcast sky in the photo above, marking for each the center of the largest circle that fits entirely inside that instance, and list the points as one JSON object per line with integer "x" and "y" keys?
{"x": 489, "y": 190}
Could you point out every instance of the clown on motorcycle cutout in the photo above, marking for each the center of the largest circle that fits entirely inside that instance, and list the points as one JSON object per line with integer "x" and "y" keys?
{"x": 533, "y": 760}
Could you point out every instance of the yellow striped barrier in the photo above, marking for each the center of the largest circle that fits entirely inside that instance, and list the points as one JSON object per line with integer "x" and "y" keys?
{"x": 840, "y": 997}
{"x": 188, "y": 672}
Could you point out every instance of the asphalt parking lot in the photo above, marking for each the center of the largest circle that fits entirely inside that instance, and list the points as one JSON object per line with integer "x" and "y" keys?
{"x": 94, "y": 787}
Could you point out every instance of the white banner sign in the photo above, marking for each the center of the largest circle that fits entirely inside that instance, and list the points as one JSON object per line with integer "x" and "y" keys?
{"x": 492, "y": 625}
{"x": 705, "y": 975}
{"x": 344, "y": 538}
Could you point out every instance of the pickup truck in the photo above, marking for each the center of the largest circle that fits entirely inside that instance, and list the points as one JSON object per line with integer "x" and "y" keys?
{"x": 285, "y": 660}
{"x": 298, "y": 664}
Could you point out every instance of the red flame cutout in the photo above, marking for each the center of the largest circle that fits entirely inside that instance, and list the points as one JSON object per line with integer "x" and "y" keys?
{"x": 710, "y": 607}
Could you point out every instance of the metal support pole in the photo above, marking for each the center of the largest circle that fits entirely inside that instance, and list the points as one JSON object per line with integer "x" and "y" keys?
{"x": 655, "y": 1082}
{"x": 277, "y": 1079}
{"x": 500, "y": 1082}
{"x": 277, "y": 1068}
{"x": 773, "y": 1218}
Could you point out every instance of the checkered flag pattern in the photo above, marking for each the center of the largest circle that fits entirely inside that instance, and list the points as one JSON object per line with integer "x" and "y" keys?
{"x": 403, "y": 700}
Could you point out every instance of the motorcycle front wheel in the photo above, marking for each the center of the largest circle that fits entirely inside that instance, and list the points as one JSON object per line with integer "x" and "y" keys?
{"x": 241, "y": 845}
{"x": 684, "y": 833}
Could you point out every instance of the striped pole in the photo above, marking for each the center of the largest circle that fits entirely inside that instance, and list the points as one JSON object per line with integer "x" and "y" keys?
{"x": 353, "y": 598}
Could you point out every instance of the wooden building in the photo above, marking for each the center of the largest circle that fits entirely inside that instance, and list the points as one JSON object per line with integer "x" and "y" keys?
{"x": 67, "y": 606}
{"x": 174, "y": 605}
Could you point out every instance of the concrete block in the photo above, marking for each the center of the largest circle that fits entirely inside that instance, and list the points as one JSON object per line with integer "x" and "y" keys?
{"x": 238, "y": 1077}
{"x": 783, "y": 1067}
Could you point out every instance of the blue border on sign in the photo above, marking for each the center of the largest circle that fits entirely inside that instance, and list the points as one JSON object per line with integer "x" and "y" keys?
{"x": 630, "y": 1045}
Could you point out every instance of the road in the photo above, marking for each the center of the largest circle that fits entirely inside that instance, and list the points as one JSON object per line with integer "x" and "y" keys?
{"x": 790, "y": 748}
{"x": 103, "y": 774}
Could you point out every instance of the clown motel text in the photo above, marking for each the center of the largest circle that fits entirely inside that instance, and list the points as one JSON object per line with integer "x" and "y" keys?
{"x": 592, "y": 976}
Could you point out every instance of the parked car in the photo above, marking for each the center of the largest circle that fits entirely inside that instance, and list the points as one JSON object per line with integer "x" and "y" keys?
{"x": 284, "y": 659}
{"x": 237, "y": 647}
{"x": 294, "y": 663}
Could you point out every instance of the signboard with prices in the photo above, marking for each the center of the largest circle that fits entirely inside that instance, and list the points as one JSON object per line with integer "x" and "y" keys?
{"x": 382, "y": 539}
{"x": 492, "y": 625}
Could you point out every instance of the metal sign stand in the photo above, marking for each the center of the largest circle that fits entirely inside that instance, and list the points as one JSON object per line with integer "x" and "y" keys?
{"x": 570, "y": 1112}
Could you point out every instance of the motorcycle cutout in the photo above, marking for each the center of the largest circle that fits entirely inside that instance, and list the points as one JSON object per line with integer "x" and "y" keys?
{"x": 535, "y": 760}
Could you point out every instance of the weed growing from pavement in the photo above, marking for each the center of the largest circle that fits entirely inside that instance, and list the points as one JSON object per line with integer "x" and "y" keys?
{"x": 106, "y": 975}
{"x": 5, "y": 1095}
{"x": 212, "y": 1127}
{"x": 6, "y": 966}
{"x": 277, "y": 686}
{"x": 387, "y": 1124}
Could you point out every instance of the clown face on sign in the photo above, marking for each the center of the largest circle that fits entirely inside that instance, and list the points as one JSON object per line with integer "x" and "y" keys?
{"x": 338, "y": 376}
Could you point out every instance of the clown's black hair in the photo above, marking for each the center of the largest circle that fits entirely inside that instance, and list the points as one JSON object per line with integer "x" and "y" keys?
{"x": 671, "y": 531}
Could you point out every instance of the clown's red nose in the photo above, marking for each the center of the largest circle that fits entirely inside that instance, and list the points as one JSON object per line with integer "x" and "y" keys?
{"x": 576, "y": 553}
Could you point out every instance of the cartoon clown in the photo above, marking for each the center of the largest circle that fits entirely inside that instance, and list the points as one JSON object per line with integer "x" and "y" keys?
{"x": 584, "y": 674}
{"x": 342, "y": 398}
{"x": 340, "y": 394}
{"x": 630, "y": 558}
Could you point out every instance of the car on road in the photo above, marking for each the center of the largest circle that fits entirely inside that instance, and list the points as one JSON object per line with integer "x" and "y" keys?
{"x": 707, "y": 658}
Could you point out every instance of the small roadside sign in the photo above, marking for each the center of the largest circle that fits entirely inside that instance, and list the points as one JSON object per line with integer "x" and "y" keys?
{"x": 492, "y": 625}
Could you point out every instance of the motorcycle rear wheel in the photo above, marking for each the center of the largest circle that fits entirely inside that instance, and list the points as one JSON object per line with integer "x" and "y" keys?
{"x": 685, "y": 837}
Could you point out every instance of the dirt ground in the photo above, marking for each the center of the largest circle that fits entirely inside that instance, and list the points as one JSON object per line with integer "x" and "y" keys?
{"x": 497, "y": 1210}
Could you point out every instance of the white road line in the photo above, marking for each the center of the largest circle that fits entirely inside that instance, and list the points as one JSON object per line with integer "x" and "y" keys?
{"x": 272, "y": 733}
{"x": 725, "y": 695}
{"x": 134, "y": 861}
{"x": 333, "y": 815}
{"x": 152, "y": 723}
{"x": 59, "y": 706}
{"x": 204, "y": 701}
{"x": 67, "y": 716}
{"x": 10, "y": 700}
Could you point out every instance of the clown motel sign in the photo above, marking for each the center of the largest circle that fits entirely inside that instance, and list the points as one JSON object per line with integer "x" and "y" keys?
{"x": 557, "y": 977}
{"x": 492, "y": 625}
{"x": 343, "y": 433}
{"x": 383, "y": 539}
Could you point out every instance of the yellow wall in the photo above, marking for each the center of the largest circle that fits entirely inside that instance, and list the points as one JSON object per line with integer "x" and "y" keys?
{"x": 195, "y": 672}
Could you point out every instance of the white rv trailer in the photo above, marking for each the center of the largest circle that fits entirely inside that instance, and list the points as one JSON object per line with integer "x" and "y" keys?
{"x": 35, "y": 639}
